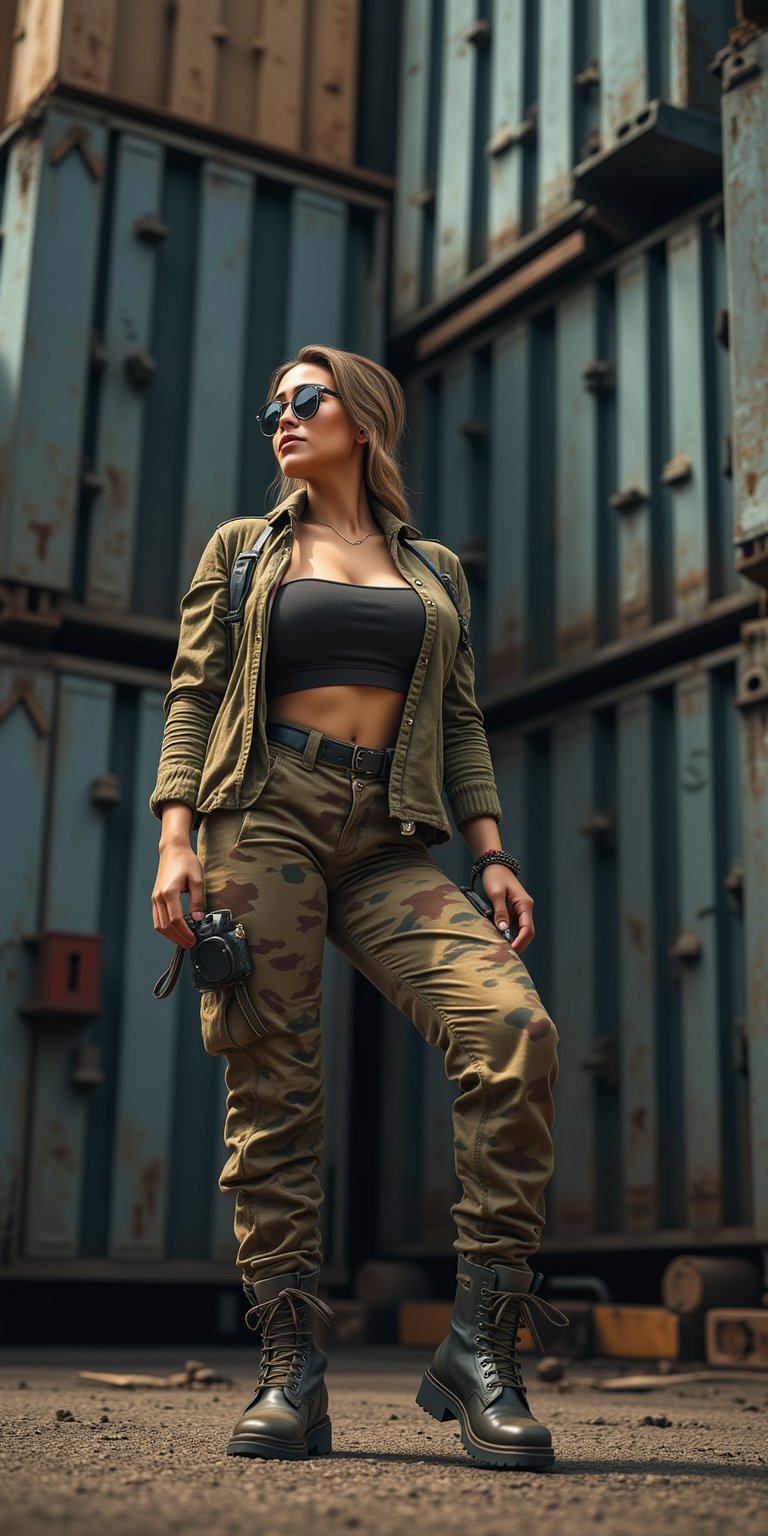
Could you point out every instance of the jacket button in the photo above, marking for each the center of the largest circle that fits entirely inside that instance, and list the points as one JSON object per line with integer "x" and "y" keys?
{"x": 407, "y": 827}
{"x": 409, "y": 719}
{"x": 417, "y": 581}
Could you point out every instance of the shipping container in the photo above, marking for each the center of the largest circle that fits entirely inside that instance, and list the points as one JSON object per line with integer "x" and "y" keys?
{"x": 519, "y": 118}
{"x": 111, "y": 1113}
{"x": 313, "y": 78}
{"x": 744, "y": 74}
{"x": 576, "y": 454}
{"x": 641, "y": 822}
{"x": 147, "y": 290}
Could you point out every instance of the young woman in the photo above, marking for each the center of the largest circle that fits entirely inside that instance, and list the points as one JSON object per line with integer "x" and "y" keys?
{"x": 312, "y": 762}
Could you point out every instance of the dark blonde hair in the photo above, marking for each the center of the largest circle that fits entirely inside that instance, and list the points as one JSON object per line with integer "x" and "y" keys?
{"x": 375, "y": 403}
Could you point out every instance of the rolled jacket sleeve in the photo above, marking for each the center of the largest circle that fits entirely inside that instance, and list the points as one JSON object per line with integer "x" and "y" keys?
{"x": 468, "y": 775}
{"x": 198, "y": 681}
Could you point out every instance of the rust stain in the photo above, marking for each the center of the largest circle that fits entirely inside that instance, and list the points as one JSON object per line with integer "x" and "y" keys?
{"x": 148, "y": 1184}
{"x": 638, "y": 1200}
{"x": 572, "y": 1215}
{"x": 638, "y": 1122}
{"x": 751, "y": 481}
{"x": 691, "y": 584}
{"x": 576, "y": 637}
{"x": 43, "y": 532}
{"x": 637, "y": 929}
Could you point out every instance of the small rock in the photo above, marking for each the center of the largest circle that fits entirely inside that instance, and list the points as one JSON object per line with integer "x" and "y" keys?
{"x": 104, "y": 1418}
{"x": 659, "y": 1419}
{"x": 549, "y": 1368}
{"x": 191, "y": 1366}
{"x": 64, "y": 1413}
{"x": 22, "y": 1384}
{"x": 394, "y": 1415}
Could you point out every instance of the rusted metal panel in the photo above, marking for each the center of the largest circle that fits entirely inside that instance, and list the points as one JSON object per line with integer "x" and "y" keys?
{"x": 752, "y": 701}
{"x": 600, "y": 458}
{"x": 127, "y": 342}
{"x": 58, "y": 1111}
{"x": 218, "y": 346}
{"x": 51, "y": 217}
{"x": 283, "y": 72}
{"x": 411, "y": 186}
{"x": 139, "y": 329}
{"x": 26, "y": 702}
{"x": 555, "y": 145}
{"x": 745, "y": 134}
{"x": 455, "y": 159}
{"x": 533, "y": 114}
{"x": 332, "y": 85}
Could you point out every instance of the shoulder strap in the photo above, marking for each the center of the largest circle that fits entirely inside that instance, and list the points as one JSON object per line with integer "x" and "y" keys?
{"x": 240, "y": 578}
{"x": 465, "y": 643}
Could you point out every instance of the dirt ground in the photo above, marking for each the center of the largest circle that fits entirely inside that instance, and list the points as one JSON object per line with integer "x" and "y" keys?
{"x": 143, "y": 1463}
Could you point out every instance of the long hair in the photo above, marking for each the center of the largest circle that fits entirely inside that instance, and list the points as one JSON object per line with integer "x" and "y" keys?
{"x": 375, "y": 402}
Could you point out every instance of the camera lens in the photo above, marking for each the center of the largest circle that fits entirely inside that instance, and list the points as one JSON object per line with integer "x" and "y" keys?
{"x": 214, "y": 961}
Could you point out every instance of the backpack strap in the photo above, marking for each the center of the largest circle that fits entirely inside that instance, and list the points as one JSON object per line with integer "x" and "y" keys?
{"x": 240, "y": 578}
{"x": 465, "y": 643}
{"x": 243, "y": 568}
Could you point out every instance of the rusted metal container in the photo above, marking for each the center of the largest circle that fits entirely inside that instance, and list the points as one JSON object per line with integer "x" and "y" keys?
{"x": 147, "y": 290}
{"x": 576, "y": 453}
{"x": 295, "y": 76}
{"x": 520, "y": 119}
{"x": 635, "y": 816}
{"x": 111, "y": 1125}
{"x": 744, "y": 75}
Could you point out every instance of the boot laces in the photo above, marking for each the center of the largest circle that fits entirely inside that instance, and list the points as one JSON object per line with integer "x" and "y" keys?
{"x": 499, "y": 1318}
{"x": 285, "y": 1325}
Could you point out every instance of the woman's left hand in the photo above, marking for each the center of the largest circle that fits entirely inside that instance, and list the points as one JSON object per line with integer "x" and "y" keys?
{"x": 510, "y": 901}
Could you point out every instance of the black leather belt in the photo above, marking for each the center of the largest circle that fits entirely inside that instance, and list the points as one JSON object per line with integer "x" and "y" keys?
{"x": 374, "y": 761}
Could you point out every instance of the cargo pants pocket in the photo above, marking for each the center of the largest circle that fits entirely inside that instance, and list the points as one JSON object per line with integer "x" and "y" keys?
{"x": 223, "y": 1023}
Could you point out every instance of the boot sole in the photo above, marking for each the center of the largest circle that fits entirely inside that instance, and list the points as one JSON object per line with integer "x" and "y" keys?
{"x": 317, "y": 1443}
{"x": 436, "y": 1400}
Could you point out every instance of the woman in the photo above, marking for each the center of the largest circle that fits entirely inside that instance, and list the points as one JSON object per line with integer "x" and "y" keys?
{"x": 312, "y": 765}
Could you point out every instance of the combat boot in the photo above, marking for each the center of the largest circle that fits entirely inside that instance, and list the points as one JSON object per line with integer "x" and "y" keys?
{"x": 475, "y": 1376}
{"x": 287, "y": 1416}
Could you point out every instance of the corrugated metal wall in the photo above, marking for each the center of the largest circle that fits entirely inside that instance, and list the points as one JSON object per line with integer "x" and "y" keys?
{"x": 111, "y": 1131}
{"x": 502, "y": 101}
{"x": 574, "y": 313}
{"x": 129, "y": 384}
{"x": 292, "y": 76}
{"x": 149, "y": 283}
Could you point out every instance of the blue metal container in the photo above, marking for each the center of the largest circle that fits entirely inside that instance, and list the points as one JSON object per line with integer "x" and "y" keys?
{"x": 147, "y": 290}
{"x": 576, "y": 455}
{"x": 111, "y": 1128}
{"x": 517, "y": 114}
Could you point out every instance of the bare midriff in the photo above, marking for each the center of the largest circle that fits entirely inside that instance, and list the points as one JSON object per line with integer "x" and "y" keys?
{"x": 356, "y": 712}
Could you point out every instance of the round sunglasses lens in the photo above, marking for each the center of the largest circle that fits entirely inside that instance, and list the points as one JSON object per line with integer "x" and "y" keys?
{"x": 270, "y": 420}
{"x": 306, "y": 402}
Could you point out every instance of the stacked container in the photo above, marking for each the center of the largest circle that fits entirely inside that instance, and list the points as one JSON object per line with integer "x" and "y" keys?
{"x": 190, "y": 192}
{"x": 581, "y": 330}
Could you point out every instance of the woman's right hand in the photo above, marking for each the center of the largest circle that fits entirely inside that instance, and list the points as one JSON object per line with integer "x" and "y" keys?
{"x": 178, "y": 870}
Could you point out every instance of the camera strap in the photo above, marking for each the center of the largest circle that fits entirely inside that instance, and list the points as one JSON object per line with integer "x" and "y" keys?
{"x": 165, "y": 984}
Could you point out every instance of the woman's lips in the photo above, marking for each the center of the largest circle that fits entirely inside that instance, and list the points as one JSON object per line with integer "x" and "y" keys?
{"x": 288, "y": 441}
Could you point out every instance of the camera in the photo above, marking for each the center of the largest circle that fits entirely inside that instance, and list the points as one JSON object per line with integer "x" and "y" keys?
{"x": 221, "y": 955}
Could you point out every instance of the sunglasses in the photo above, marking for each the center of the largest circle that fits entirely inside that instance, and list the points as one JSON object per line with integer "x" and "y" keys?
{"x": 304, "y": 404}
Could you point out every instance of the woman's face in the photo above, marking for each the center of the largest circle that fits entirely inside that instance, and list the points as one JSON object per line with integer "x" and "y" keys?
{"x": 306, "y": 450}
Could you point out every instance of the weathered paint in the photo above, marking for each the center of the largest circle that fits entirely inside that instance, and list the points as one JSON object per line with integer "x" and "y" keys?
{"x": 503, "y": 100}
{"x": 745, "y": 134}
{"x": 128, "y": 1171}
{"x": 560, "y": 464}
{"x": 139, "y": 329}
{"x": 281, "y": 74}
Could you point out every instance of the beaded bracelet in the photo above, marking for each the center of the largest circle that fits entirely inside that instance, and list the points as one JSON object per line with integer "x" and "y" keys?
{"x": 493, "y": 856}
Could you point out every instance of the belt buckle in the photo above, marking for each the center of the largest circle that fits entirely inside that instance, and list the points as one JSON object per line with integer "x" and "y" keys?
{"x": 358, "y": 766}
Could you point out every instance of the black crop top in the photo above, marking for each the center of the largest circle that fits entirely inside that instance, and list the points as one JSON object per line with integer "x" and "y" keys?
{"x": 323, "y": 632}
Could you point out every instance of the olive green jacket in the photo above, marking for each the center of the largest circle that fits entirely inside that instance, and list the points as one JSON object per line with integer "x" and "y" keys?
{"x": 214, "y": 751}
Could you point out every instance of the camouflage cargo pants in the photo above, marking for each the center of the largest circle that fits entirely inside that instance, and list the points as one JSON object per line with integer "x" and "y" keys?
{"x": 318, "y": 855}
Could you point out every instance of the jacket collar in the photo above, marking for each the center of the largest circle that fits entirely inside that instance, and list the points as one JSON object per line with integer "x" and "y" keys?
{"x": 291, "y": 509}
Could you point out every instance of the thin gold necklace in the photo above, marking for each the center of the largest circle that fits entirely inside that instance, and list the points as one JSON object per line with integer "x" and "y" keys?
{"x": 335, "y": 530}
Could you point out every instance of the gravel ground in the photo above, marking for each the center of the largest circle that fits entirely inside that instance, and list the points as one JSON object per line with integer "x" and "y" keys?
{"x": 143, "y": 1463}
